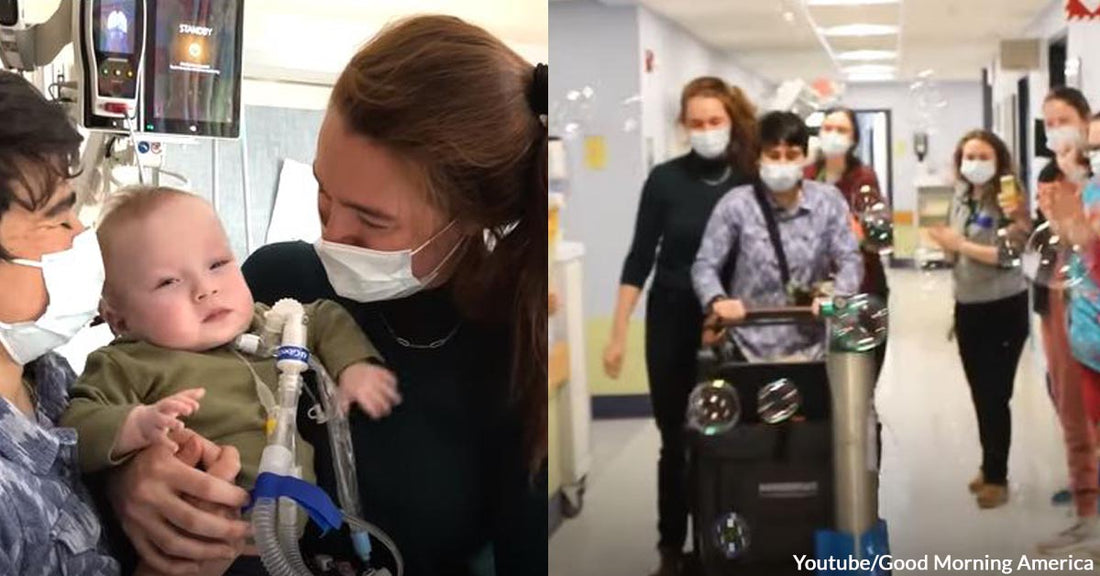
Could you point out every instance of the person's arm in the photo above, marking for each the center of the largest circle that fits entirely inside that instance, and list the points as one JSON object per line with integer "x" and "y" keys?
{"x": 101, "y": 402}
{"x": 12, "y": 537}
{"x": 178, "y": 518}
{"x": 636, "y": 269}
{"x": 336, "y": 339}
{"x": 147, "y": 424}
{"x": 843, "y": 249}
{"x": 722, "y": 232}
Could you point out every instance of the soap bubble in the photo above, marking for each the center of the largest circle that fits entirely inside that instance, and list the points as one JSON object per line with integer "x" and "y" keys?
{"x": 731, "y": 533}
{"x": 859, "y": 323}
{"x": 630, "y": 112}
{"x": 876, "y": 220}
{"x": 778, "y": 401}
{"x": 1045, "y": 259}
{"x": 713, "y": 407}
{"x": 572, "y": 117}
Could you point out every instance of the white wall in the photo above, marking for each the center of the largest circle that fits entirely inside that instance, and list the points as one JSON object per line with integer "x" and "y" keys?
{"x": 1082, "y": 42}
{"x": 962, "y": 114}
{"x": 680, "y": 57}
{"x": 604, "y": 47}
{"x": 597, "y": 46}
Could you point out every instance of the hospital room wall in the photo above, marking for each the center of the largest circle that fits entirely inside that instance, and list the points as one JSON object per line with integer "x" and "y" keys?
{"x": 962, "y": 113}
{"x": 272, "y": 135}
{"x": 605, "y": 47}
{"x": 1082, "y": 43}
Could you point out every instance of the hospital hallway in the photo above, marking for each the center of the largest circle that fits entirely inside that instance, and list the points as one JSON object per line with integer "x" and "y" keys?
{"x": 930, "y": 452}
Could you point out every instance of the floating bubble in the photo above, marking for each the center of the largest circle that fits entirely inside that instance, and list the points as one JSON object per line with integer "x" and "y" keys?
{"x": 732, "y": 535}
{"x": 713, "y": 407}
{"x": 876, "y": 220}
{"x": 571, "y": 117}
{"x": 859, "y": 323}
{"x": 1010, "y": 247}
{"x": 778, "y": 401}
{"x": 1045, "y": 260}
{"x": 630, "y": 111}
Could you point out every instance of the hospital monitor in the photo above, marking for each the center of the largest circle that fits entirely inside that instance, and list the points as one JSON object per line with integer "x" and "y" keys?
{"x": 193, "y": 68}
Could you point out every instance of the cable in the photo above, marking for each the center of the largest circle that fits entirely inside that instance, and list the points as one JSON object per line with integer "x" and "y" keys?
{"x": 131, "y": 122}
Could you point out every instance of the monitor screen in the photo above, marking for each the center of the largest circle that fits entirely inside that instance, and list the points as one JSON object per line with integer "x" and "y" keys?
{"x": 193, "y": 67}
{"x": 114, "y": 26}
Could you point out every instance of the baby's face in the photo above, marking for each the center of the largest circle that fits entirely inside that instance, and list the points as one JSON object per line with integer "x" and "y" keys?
{"x": 172, "y": 279}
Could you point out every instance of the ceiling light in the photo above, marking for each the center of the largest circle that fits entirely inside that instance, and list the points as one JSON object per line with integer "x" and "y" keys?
{"x": 788, "y": 16}
{"x": 867, "y": 55}
{"x": 871, "y": 77}
{"x": 849, "y": 2}
{"x": 870, "y": 69}
{"x": 860, "y": 30}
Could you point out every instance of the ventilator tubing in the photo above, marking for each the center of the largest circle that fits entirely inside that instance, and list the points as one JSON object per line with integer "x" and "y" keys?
{"x": 275, "y": 522}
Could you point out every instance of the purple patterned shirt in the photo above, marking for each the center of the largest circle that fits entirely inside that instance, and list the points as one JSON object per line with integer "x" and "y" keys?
{"x": 817, "y": 240}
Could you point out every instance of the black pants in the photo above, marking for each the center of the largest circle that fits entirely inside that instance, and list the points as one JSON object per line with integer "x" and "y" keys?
{"x": 991, "y": 336}
{"x": 674, "y": 324}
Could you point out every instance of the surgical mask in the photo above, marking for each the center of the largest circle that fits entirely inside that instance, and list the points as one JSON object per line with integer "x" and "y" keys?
{"x": 780, "y": 176}
{"x": 74, "y": 283}
{"x": 366, "y": 275}
{"x": 710, "y": 144}
{"x": 835, "y": 143}
{"x": 1094, "y": 162}
{"x": 1063, "y": 137}
{"x": 978, "y": 172}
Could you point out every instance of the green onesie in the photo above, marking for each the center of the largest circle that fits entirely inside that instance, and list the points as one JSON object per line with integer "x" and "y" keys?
{"x": 127, "y": 373}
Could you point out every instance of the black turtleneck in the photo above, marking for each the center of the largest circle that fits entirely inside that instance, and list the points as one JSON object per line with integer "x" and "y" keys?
{"x": 677, "y": 200}
{"x": 444, "y": 474}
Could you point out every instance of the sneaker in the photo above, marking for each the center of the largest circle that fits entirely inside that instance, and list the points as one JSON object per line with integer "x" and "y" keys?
{"x": 1061, "y": 498}
{"x": 992, "y": 496}
{"x": 1085, "y": 534}
{"x": 976, "y": 484}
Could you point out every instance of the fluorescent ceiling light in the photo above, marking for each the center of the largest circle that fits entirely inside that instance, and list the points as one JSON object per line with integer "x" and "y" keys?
{"x": 870, "y": 77}
{"x": 869, "y": 69}
{"x": 860, "y": 30}
{"x": 849, "y": 2}
{"x": 867, "y": 55}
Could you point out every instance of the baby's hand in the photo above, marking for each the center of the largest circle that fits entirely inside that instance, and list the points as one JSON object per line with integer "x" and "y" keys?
{"x": 152, "y": 422}
{"x": 372, "y": 387}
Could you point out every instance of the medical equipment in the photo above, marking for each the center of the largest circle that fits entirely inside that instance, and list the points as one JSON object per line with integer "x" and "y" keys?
{"x": 279, "y": 485}
{"x": 10, "y": 13}
{"x": 144, "y": 72}
{"x": 109, "y": 38}
{"x": 785, "y": 460}
{"x": 189, "y": 85}
{"x": 193, "y": 74}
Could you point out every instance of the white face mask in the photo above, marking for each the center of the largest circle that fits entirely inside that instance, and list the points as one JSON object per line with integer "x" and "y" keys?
{"x": 978, "y": 172}
{"x": 710, "y": 144}
{"x": 74, "y": 283}
{"x": 780, "y": 176}
{"x": 366, "y": 275}
{"x": 834, "y": 143}
{"x": 1064, "y": 137}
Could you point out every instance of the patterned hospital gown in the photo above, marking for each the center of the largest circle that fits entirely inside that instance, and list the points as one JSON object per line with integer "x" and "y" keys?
{"x": 47, "y": 522}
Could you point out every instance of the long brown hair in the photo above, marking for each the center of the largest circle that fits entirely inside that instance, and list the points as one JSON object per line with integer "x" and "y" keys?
{"x": 743, "y": 148}
{"x": 455, "y": 102}
{"x": 1000, "y": 152}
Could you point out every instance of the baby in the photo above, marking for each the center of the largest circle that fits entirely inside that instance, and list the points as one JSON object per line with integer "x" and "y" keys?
{"x": 176, "y": 300}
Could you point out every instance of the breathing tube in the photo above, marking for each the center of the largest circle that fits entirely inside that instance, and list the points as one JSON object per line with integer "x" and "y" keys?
{"x": 279, "y": 489}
